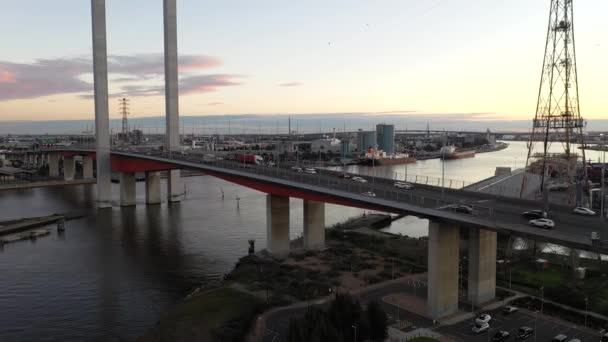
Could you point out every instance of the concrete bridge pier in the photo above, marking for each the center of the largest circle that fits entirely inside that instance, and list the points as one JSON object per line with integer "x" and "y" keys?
{"x": 482, "y": 266}
{"x": 127, "y": 189}
{"x": 277, "y": 224}
{"x": 69, "y": 168}
{"x": 87, "y": 167}
{"x": 175, "y": 189}
{"x": 153, "y": 187}
{"x": 444, "y": 246}
{"x": 53, "y": 165}
{"x": 314, "y": 225}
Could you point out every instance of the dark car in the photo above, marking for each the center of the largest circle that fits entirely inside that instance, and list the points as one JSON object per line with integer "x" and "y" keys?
{"x": 500, "y": 336}
{"x": 344, "y": 175}
{"x": 534, "y": 214}
{"x": 459, "y": 208}
{"x": 524, "y": 333}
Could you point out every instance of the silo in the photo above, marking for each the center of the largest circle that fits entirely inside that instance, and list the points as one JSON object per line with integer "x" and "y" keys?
{"x": 386, "y": 138}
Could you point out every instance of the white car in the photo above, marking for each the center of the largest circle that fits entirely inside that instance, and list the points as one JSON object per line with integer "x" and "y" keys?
{"x": 542, "y": 223}
{"x": 297, "y": 169}
{"x": 483, "y": 318}
{"x": 479, "y": 328}
{"x": 583, "y": 211}
{"x": 310, "y": 170}
{"x": 402, "y": 185}
{"x": 359, "y": 180}
{"x": 369, "y": 193}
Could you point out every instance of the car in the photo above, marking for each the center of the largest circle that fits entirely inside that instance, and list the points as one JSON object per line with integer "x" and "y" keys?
{"x": 534, "y": 214}
{"x": 507, "y": 310}
{"x": 559, "y": 338}
{"x": 310, "y": 170}
{"x": 402, "y": 185}
{"x": 479, "y": 328}
{"x": 583, "y": 211}
{"x": 483, "y": 318}
{"x": 575, "y": 340}
{"x": 344, "y": 175}
{"x": 524, "y": 333}
{"x": 542, "y": 223}
{"x": 270, "y": 164}
{"x": 359, "y": 180}
{"x": 459, "y": 208}
{"x": 369, "y": 193}
{"x": 500, "y": 336}
{"x": 297, "y": 169}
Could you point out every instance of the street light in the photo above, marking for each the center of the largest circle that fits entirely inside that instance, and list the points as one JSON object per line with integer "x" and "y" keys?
{"x": 354, "y": 327}
{"x": 542, "y": 298}
{"x": 586, "y": 312}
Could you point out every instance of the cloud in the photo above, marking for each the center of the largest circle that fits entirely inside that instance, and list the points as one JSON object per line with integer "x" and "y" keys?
{"x": 215, "y": 103}
{"x": 45, "y": 77}
{"x": 290, "y": 84}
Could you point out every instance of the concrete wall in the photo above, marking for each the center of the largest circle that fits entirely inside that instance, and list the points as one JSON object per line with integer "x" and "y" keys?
{"x": 314, "y": 225}
{"x": 153, "y": 187}
{"x": 127, "y": 189}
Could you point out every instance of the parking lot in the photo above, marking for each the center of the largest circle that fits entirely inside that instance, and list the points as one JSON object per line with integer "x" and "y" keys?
{"x": 545, "y": 329}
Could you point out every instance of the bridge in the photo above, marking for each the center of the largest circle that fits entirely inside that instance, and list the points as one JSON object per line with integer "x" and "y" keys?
{"x": 492, "y": 214}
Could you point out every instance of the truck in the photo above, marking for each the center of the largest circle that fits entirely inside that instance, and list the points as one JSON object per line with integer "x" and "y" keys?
{"x": 250, "y": 159}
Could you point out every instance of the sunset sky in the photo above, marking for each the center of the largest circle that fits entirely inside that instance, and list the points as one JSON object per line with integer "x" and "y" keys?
{"x": 290, "y": 57}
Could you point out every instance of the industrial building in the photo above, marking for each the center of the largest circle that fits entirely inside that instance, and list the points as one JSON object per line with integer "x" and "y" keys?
{"x": 385, "y": 135}
{"x": 365, "y": 140}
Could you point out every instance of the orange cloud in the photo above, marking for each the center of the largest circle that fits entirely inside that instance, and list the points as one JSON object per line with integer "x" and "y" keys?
{"x": 7, "y": 77}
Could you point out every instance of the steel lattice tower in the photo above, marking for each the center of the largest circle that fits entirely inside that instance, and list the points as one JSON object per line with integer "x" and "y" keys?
{"x": 557, "y": 117}
{"x": 124, "y": 111}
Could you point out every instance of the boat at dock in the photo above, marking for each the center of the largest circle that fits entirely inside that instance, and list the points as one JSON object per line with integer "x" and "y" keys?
{"x": 450, "y": 152}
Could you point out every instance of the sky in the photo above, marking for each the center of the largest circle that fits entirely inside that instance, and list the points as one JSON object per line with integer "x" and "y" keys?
{"x": 478, "y": 57}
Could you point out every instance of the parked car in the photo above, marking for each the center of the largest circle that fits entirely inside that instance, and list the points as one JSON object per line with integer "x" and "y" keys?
{"x": 560, "y": 338}
{"x": 524, "y": 333}
{"x": 500, "y": 336}
{"x": 359, "y": 180}
{"x": 575, "y": 340}
{"x": 297, "y": 169}
{"x": 369, "y": 193}
{"x": 583, "y": 211}
{"x": 310, "y": 170}
{"x": 507, "y": 310}
{"x": 534, "y": 214}
{"x": 483, "y": 318}
{"x": 402, "y": 185}
{"x": 479, "y": 328}
{"x": 542, "y": 223}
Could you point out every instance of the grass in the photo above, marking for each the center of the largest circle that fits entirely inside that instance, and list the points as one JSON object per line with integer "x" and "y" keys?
{"x": 526, "y": 273}
{"x": 202, "y": 317}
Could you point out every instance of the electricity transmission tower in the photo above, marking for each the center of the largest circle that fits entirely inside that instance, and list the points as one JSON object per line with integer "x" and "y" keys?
{"x": 557, "y": 119}
{"x": 124, "y": 111}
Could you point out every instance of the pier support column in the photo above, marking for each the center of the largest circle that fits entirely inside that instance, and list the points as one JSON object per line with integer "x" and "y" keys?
{"x": 102, "y": 118}
{"x": 127, "y": 189}
{"x": 482, "y": 266}
{"x": 314, "y": 225}
{"x": 87, "y": 167}
{"x": 54, "y": 165}
{"x": 444, "y": 245}
{"x": 277, "y": 224}
{"x": 69, "y": 168}
{"x": 153, "y": 187}
{"x": 175, "y": 189}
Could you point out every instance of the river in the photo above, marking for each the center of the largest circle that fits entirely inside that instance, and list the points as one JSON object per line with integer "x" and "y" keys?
{"x": 110, "y": 275}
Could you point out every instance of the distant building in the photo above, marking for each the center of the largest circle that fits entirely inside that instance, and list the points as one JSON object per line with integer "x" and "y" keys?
{"x": 386, "y": 138}
{"x": 365, "y": 140}
{"x": 325, "y": 145}
{"x": 287, "y": 147}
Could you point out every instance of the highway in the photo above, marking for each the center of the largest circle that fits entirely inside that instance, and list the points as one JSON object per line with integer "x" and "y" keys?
{"x": 491, "y": 212}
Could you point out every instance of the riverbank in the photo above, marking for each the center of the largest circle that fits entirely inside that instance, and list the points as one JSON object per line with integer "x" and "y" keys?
{"x": 350, "y": 262}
